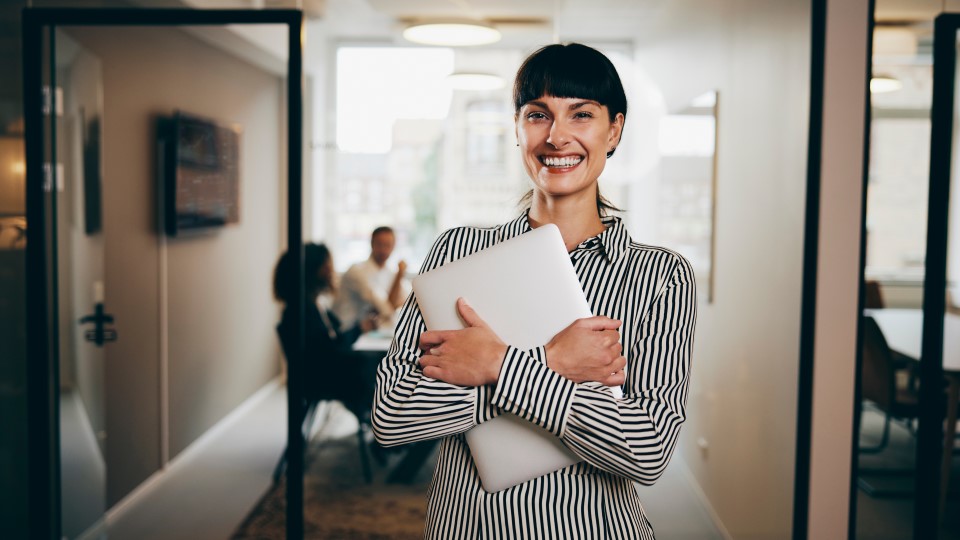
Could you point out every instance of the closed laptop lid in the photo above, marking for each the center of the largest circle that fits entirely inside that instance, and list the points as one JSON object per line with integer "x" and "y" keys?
{"x": 525, "y": 288}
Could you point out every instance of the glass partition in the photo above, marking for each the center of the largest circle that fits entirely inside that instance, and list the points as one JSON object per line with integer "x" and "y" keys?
{"x": 909, "y": 376}
{"x": 166, "y": 186}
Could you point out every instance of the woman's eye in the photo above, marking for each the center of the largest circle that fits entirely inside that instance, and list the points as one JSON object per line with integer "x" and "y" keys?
{"x": 536, "y": 116}
{"x": 583, "y": 114}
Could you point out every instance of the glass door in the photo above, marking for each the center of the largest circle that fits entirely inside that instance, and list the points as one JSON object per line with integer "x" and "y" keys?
{"x": 84, "y": 323}
{"x": 907, "y": 472}
{"x": 165, "y": 152}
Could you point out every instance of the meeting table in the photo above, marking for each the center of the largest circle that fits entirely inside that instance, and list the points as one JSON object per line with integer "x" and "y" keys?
{"x": 903, "y": 330}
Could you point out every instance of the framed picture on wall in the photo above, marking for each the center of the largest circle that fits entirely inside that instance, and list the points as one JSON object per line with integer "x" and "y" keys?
{"x": 199, "y": 173}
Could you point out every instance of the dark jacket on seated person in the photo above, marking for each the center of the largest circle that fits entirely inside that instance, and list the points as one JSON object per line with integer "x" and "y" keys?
{"x": 331, "y": 369}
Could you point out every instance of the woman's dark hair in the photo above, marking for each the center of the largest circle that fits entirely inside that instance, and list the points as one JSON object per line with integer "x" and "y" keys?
{"x": 285, "y": 274}
{"x": 571, "y": 71}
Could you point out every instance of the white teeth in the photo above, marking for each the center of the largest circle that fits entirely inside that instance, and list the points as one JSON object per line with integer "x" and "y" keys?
{"x": 562, "y": 161}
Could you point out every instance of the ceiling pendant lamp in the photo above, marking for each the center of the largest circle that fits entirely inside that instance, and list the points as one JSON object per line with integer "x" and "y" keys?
{"x": 882, "y": 84}
{"x": 452, "y": 33}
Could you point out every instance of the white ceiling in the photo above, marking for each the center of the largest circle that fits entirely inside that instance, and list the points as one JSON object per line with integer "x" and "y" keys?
{"x": 520, "y": 21}
{"x": 913, "y": 10}
{"x": 527, "y": 23}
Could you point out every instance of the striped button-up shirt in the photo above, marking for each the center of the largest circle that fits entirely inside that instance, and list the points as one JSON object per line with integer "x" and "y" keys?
{"x": 622, "y": 441}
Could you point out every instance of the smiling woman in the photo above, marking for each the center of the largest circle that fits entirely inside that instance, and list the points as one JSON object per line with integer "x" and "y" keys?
{"x": 439, "y": 384}
{"x": 563, "y": 121}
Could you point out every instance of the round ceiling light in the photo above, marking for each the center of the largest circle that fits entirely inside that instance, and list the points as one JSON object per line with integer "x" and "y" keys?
{"x": 474, "y": 81}
{"x": 884, "y": 83}
{"x": 452, "y": 33}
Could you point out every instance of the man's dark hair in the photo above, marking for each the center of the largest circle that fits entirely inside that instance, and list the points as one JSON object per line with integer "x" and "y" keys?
{"x": 381, "y": 229}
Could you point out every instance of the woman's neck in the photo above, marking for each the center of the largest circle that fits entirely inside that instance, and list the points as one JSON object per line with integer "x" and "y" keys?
{"x": 576, "y": 219}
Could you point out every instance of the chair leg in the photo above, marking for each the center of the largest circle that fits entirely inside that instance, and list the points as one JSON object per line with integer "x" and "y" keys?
{"x": 884, "y": 438}
{"x": 309, "y": 414}
{"x": 364, "y": 459}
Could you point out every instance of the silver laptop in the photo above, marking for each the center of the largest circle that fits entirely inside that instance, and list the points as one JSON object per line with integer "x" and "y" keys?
{"x": 526, "y": 289}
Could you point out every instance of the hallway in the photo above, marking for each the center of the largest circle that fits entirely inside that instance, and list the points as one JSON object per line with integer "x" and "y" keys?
{"x": 208, "y": 491}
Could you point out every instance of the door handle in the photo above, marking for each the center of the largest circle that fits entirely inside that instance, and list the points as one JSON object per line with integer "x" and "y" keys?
{"x": 99, "y": 334}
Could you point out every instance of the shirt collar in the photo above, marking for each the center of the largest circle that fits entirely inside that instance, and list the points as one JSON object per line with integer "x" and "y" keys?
{"x": 612, "y": 241}
{"x": 516, "y": 227}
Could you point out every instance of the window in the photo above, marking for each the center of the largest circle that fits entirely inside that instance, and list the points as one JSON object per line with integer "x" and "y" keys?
{"x": 419, "y": 156}
{"x": 899, "y": 174}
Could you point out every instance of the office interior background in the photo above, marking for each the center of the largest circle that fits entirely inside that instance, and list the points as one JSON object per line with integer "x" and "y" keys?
{"x": 714, "y": 163}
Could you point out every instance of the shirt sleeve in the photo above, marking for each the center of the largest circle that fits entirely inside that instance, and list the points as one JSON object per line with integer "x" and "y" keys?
{"x": 356, "y": 282}
{"x": 633, "y": 436}
{"x": 409, "y": 406}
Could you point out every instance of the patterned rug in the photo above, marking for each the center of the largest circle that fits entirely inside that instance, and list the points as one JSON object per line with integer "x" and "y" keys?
{"x": 338, "y": 504}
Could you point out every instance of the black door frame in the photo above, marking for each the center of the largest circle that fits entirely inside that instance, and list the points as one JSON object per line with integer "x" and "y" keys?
{"x": 42, "y": 372}
{"x": 930, "y": 437}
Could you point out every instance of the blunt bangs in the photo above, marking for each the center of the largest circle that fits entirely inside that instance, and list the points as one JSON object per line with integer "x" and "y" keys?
{"x": 570, "y": 71}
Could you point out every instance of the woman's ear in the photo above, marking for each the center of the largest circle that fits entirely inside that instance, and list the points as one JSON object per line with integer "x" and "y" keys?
{"x": 616, "y": 131}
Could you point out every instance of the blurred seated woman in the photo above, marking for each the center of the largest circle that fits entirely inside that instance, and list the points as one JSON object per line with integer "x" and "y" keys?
{"x": 331, "y": 369}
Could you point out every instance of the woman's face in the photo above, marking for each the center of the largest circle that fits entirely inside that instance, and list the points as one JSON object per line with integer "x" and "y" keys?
{"x": 564, "y": 142}
{"x": 325, "y": 273}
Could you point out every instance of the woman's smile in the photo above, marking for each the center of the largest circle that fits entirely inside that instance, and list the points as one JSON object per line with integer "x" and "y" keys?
{"x": 561, "y": 162}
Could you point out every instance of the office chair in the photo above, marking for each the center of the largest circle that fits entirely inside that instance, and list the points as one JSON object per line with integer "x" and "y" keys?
{"x": 879, "y": 367}
{"x": 878, "y": 382}
{"x": 310, "y": 403}
{"x": 872, "y": 295}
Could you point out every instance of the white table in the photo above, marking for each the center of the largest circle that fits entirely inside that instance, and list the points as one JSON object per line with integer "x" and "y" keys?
{"x": 903, "y": 330}
{"x": 375, "y": 341}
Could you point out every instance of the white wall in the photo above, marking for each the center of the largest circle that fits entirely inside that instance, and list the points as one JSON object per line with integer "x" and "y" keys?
{"x": 743, "y": 397}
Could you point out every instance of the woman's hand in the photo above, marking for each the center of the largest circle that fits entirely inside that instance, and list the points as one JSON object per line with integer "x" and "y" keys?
{"x": 472, "y": 356}
{"x": 588, "y": 350}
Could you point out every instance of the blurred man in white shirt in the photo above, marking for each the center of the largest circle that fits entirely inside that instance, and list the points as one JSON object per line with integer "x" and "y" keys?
{"x": 370, "y": 286}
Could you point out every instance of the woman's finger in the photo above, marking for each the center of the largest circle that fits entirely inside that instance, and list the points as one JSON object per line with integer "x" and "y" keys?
{"x": 620, "y": 363}
{"x": 615, "y": 379}
{"x": 598, "y": 322}
{"x": 468, "y": 314}
{"x": 428, "y": 359}
{"x": 431, "y": 339}
{"x": 434, "y": 372}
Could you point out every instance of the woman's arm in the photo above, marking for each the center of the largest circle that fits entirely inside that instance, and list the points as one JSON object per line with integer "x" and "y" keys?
{"x": 395, "y": 296}
{"x": 633, "y": 436}
{"x": 409, "y": 406}
{"x": 355, "y": 283}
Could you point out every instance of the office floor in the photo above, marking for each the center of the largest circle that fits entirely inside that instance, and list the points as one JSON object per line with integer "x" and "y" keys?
{"x": 207, "y": 494}
{"x": 83, "y": 494}
{"x": 890, "y": 516}
{"x": 204, "y": 493}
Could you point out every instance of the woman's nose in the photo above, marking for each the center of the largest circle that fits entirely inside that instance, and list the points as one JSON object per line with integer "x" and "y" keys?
{"x": 558, "y": 134}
